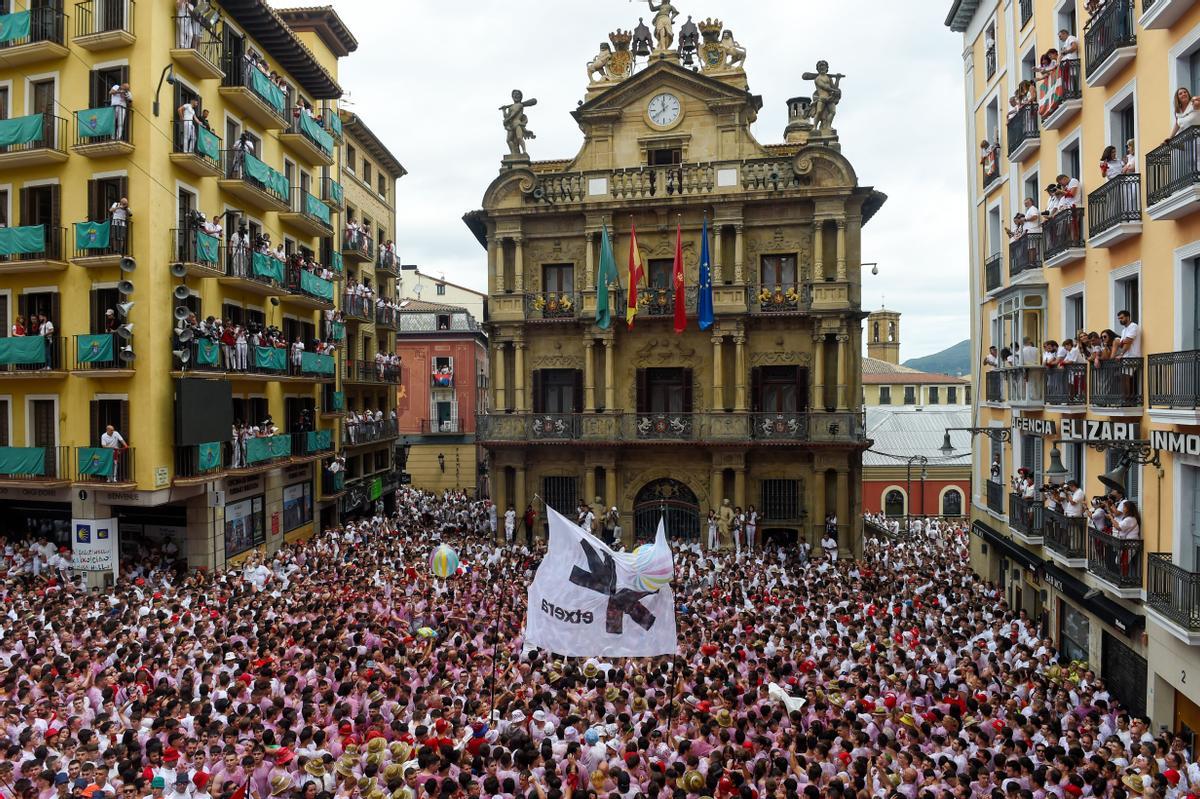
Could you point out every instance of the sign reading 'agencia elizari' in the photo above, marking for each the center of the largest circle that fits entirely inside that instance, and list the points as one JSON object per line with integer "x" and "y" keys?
{"x": 1094, "y": 430}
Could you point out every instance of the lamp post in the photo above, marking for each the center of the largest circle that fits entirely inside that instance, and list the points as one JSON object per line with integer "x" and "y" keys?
{"x": 924, "y": 461}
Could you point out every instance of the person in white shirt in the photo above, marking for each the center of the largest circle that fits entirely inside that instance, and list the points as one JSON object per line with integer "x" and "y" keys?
{"x": 510, "y": 524}
{"x": 1033, "y": 217}
{"x": 1029, "y": 353}
{"x": 111, "y": 439}
{"x": 1068, "y": 46}
{"x": 1130, "y": 343}
{"x": 1075, "y": 499}
{"x": 119, "y": 213}
{"x": 119, "y": 97}
{"x": 187, "y": 124}
{"x": 1069, "y": 190}
{"x": 991, "y": 359}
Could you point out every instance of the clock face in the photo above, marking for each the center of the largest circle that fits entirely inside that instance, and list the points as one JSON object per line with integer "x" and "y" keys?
{"x": 664, "y": 109}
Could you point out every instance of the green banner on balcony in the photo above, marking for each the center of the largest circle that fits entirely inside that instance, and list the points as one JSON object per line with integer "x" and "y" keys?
{"x": 209, "y": 456}
{"x": 21, "y": 130}
{"x": 339, "y": 401}
{"x": 92, "y": 235}
{"x": 207, "y": 248}
{"x": 96, "y": 121}
{"x": 16, "y": 461}
{"x": 266, "y": 266}
{"x": 335, "y": 122}
{"x": 207, "y": 143}
{"x": 267, "y": 448}
{"x": 14, "y": 26}
{"x": 319, "y": 440}
{"x": 22, "y": 240}
{"x": 338, "y": 329}
{"x": 274, "y": 180}
{"x": 95, "y": 349}
{"x": 96, "y": 460}
{"x": 268, "y": 91}
{"x": 376, "y": 488}
{"x": 208, "y": 352}
{"x": 317, "y": 209}
{"x": 315, "y": 132}
{"x": 316, "y": 286}
{"x": 336, "y": 192}
{"x": 273, "y": 358}
{"x": 312, "y": 363}
{"x": 335, "y": 262}
{"x": 25, "y": 350}
{"x": 339, "y": 481}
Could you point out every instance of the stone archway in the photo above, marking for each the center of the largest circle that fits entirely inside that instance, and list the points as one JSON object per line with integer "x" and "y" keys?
{"x": 672, "y": 499}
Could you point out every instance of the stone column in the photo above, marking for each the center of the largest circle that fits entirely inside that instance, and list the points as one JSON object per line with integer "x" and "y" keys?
{"x": 519, "y": 376}
{"x": 520, "y": 501}
{"x": 610, "y": 486}
{"x": 739, "y": 365}
{"x": 718, "y": 402}
{"x": 818, "y": 514}
{"x": 739, "y": 247}
{"x": 589, "y": 376}
{"x": 500, "y": 497}
{"x": 715, "y": 489}
{"x": 589, "y": 486}
{"x": 501, "y": 403}
{"x": 843, "y": 354}
{"x": 519, "y": 266}
{"x": 610, "y": 390}
{"x": 496, "y": 263}
{"x": 716, "y": 261}
{"x": 589, "y": 269}
{"x": 843, "y": 509}
{"x": 818, "y": 244}
{"x": 841, "y": 249}
{"x": 739, "y": 486}
{"x": 818, "y": 400}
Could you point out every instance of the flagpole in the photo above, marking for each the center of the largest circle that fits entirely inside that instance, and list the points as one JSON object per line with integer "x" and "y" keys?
{"x": 674, "y": 678}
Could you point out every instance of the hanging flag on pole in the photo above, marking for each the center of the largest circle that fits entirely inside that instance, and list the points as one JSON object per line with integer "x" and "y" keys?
{"x": 607, "y": 276}
{"x": 704, "y": 294}
{"x": 635, "y": 275}
{"x": 677, "y": 282}
{"x": 588, "y": 601}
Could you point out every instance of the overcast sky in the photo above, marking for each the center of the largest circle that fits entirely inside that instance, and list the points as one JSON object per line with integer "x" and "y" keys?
{"x": 429, "y": 76}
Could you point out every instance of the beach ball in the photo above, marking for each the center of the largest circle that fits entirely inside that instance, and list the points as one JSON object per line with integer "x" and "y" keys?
{"x": 444, "y": 561}
{"x": 426, "y": 632}
{"x": 652, "y": 567}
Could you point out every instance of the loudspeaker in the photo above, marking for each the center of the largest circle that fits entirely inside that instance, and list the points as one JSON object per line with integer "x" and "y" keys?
{"x": 182, "y": 312}
{"x": 125, "y": 331}
{"x": 1115, "y": 479}
{"x": 183, "y": 356}
{"x": 127, "y": 264}
{"x": 178, "y": 270}
{"x": 275, "y": 301}
{"x": 125, "y": 287}
{"x": 186, "y": 335}
{"x": 181, "y": 292}
{"x": 127, "y": 354}
{"x": 123, "y": 309}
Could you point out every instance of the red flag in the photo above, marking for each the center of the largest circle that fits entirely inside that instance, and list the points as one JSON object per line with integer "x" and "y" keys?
{"x": 240, "y": 793}
{"x": 677, "y": 282}
{"x": 635, "y": 274}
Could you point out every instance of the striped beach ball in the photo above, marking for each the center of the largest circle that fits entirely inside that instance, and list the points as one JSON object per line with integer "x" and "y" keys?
{"x": 444, "y": 561}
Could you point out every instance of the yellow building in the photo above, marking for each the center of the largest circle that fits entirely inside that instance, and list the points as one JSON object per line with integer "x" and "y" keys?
{"x": 264, "y": 166}
{"x": 886, "y": 382}
{"x": 1126, "y": 240}
{"x": 763, "y": 408}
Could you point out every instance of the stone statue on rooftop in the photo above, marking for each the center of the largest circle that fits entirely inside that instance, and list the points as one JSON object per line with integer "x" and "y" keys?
{"x": 599, "y": 63}
{"x": 664, "y": 24}
{"x": 827, "y": 93}
{"x": 516, "y": 124}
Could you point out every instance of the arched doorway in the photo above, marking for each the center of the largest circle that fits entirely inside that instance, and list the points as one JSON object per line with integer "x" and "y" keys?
{"x": 893, "y": 503}
{"x": 952, "y": 503}
{"x": 669, "y": 498}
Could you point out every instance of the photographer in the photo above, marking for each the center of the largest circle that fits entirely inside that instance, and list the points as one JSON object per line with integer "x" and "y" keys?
{"x": 1074, "y": 500}
{"x": 1126, "y": 521}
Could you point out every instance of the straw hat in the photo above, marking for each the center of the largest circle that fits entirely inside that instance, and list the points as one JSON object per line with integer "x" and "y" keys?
{"x": 590, "y": 669}
{"x": 1133, "y": 782}
{"x": 376, "y": 745}
{"x": 280, "y": 783}
{"x": 315, "y": 768}
{"x": 723, "y": 718}
{"x": 692, "y": 782}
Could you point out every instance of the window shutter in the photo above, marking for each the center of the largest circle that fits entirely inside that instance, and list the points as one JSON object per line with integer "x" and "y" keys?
{"x": 93, "y": 200}
{"x": 22, "y": 311}
{"x": 53, "y": 235}
{"x": 97, "y": 425}
{"x": 801, "y": 389}
{"x": 125, "y": 430}
{"x": 122, "y": 187}
{"x": 97, "y": 312}
{"x": 538, "y": 397}
{"x": 687, "y": 390}
{"x": 756, "y": 400}
{"x": 643, "y": 392}
{"x": 578, "y": 392}
{"x": 55, "y": 315}
{"x": 23, "y": 206}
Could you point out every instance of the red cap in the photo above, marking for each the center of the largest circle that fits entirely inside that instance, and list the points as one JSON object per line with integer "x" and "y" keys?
{"x": 200, "y": 780}
{"x": 844, "y": 757}
{"x": 170, "y": 754}
{"x": 283, "y": 756}
{"x": 373, "y": 734}
{"x": 345, "y": 729}
{"x": 1073, "y": 789}
{"x": 1172, "y": 776}
{"x": 997, "y": 725}
{"x": 889, "y": 700}
{"x": 724, "y": 785}
{"x": 441, "y": 725}
{"x": 704, "y": 706}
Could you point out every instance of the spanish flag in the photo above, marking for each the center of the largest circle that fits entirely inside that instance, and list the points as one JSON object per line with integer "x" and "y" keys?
{"x": 635, "y": 275}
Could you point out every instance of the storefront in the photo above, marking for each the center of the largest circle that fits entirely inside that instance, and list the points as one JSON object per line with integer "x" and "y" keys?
{"x": 298, "y": 498}
{"x": 1015, "y": 569}
{"x": 37, "y": 513}
{"x": 245, "y": 515}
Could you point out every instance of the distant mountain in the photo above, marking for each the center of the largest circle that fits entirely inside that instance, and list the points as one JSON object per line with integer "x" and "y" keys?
{"x": 954, "y": 361}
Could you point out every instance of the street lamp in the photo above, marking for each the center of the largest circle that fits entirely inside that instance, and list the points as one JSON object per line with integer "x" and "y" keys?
{"x": 921, "y": 459}
{"x": 1000, "y": 434}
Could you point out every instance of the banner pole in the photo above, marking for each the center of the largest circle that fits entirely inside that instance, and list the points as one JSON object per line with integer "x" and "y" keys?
{"x": 495, "y": 650}
{"x": 675, "y": 656}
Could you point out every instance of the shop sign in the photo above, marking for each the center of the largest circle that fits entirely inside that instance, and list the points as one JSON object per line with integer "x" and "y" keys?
{"x": 1095, "y": 430}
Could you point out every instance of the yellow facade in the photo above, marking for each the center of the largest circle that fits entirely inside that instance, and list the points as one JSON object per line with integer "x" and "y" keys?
{"x": 1132, "y": 245}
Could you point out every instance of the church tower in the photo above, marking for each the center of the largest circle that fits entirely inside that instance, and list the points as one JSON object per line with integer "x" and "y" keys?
{"x": 883, "y": 336}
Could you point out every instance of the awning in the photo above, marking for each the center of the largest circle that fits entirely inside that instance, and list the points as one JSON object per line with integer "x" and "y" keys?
{"x": 1102, "y": 607}
{"x": 1009, "y": 548}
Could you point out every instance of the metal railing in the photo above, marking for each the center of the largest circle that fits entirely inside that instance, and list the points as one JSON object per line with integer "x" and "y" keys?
{"x": 332, "y": 483}
{"x": 361, "y": 432}
{"x": 830, "y": 427}
{"x": 294, "y": 113}
{"x": 995, "y": 496}
{"x": 773, "y": 298}
{"x": 1026, "y": 12}
{"x": 387, "y": 317}
{"x": 1116, "y": 383}
{"x": 53, "y": 136}
{"x": 103, "y": 16}
{"x": 1110, "y": 28}
{"x": 357, "y": 306}
{"x": 358, "y": 243}
{"x": 1066, "y": 535}
{"x": 312, "y": 208}
{"x": 991, "y": 272}
{"x": 1173, "y": 591}
{"x": 387, "y": 262}
{"x": 1062, "y": 232}
{"x": 1067, "y": 384}
{"x": 369, "y": 372}
{"x": 1115, "y": 560}
{"x": 1119, "y": 200}
{"x": 1025, "y": 385}
{"x": 189, "y": 147}
{"x": 1022, "y": 127}
{"x": 452, "y": 425}
{"x": 1025, "y": 254}
{"x": 294, "y": 282}
{"x": 53, "y": 250}
{"x": 552, "y": 305}
{"x": 989, "y": 58}
{"x": 312, "y": 442}
{"x": 1174, "y": 379}
{"x": 100, "y": 351}
{"x": 1173, "y": 166}
{"x": 994, "y": 386}
{"x": 1025, "y": 515}
{"x": 333, "y": 193}
{"x": 184, "y": 240}
{"x": 201, "y": 35}
{"x": 46, "y": 24}
{"x": 991, "y": 166}
{"x": 120, "y": 238}
{"x": 233, "y": 168}
{"x": 241, "y": 76}
{"x": 187, "y": 461}
{"x": 90, "y": 465}
{"x": 50, "y": 357}
{"x": 41, "y": 465}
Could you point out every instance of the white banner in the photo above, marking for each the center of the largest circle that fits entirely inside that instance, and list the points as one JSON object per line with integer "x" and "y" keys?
{"x": 94, "y": 545}
{"x": 588, "y": 601}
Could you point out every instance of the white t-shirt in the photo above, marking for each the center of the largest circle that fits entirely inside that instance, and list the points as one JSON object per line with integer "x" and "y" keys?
{"x": 1073, "y": 186}
{"x": 1132, "y": 334}
{"x": 1074, "y": 355}
{"x": 112, "y": 440}
{"x": 116, "y": 97}
{"x": 1029, "y": 356}
{"x": 1033, "y": 220}
{"x": 1068, "y": 42}
{"x": 1075, "y": 503}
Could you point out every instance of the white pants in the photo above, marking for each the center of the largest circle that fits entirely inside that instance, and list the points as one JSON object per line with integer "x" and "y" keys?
{"x": 189, "y": 135}
{"x": 750, "y": 530}
{"x": 242, "y": 356}
{"x": 508, "y": 533}
{"x": 714, "y": 538}
{"x": 119, "y": 112}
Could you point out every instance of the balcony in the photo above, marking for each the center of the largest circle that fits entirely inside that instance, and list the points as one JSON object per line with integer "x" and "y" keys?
{"x": 1066, "y": 387}
{"x": 1025, "y": 256}
{"x": 307, "y": 138}
{"x": 774, "y": 299}
{"x": 256, "y": 273}
{"x": 308, "y": 214}
{"x": 198, "y": 47}
{"x": 1160, "y": 14}
{"x": 994, "y": 386}
{"x": 32, "y": 248}
{"x": 312, "y": 443}
{"x": 1173, "y": 176}
{"x": 1026, "y": 386}
{"x": 102, "y": 355}
{"x": 780, "y": 427}
{"x": 1115, "y": 211}
{"x": 263, "y": 452}
{"x": 369, "y": 372}
{"x": 101, "y": 244}
{"x": 318, "y": 366}
{"x": 1173, "y": 595}
{"x": 1116, "y": 387}
{"x": 105, "y": 466}
{"x": 1024, "y": 135}
{"x": 550, "y": 427}
{"x": 332, "y": 194}
{"x": 103, "y": 132}
{"x": 360, "y": 433}
{"x": 250, "y": 91}
{"x": 201, "y": 254}
{"x": 197, "y": 150}
{"x": 1174, "y": 386}
{"x": 1065, "y": 538}
{"x": 1116, "y": 562}
{"x": 357, "y": 308}
{"x": 34, "y": 140}
{"x": 386, "y": 318}
{"x": 991, "y": 272}
{"x": 33, "y": 36}
{"x": 31, "y": 358}
{"x": 1109, "y": 41}
{"x": 1060, "y": 96}
{"x": 454, "y": 425}
{"x": 441, "y": 379}
{"x": 358, "y": 248}
{"x": 991, "y": 167}
{"x": 552, "y": 306}
{"x": 1025, "y": 518}
{"x": 333, "y": 402}
{"x": 333, "y": 484}
{"x": 204, "y": 356}
{"x": 252, "y": 181}
{"x": 1062, "y": 238}
{"x": 103, "y": 24}
{"x": 989, "y": 61}
{"x": 35, "y": 467}
{"x": 197, "y": 463}
{"x": 995, "y": 497}
{"x": 331, "y": 122}
{"x": 387, "y": 263}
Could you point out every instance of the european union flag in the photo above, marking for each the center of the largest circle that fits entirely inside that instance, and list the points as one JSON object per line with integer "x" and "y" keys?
{"x": 704, "y": 301}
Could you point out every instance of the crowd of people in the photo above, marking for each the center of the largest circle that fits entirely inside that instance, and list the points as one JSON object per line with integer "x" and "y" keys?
{"x": 238, "y": 340}
{"x": 340, "y": 667}
{"x": 1111, "y": 513}
{"x": 368, "y": 425}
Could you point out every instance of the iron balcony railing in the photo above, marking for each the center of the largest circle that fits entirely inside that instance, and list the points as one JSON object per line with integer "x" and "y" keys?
{"x": 994, "y": 385}
{"x": 189, "y": 252}
{"x": 358, "y": 243}
{"x": 552, "y": 305}
{"x": 1066, "y": 535}
{"x": 187, "y": 144}
{"x": 46, "y": 24}
{"x": 188, "y": 461}
{"x": 52, "y": 251}
{"x": 103, "y": 16}
{"x": 1062, "y": 232}
{"x": 1026, "y": 12}
{"x": 91, "y": 129}
{"x": 1115, "y": 560}
{"x": 296, "y": 126}
{"x": 1025, "y": 515}
{"x": 1026, "y": 385}
{"x": 30, "y": 357}
{"x": 767, "y": 428}
{"x": 387, "y": 262}
{"x": 780, "y": 297}
{"x": 1023, "y": 127}
{"x": 1174, "y": 379}
{"x": 39, "y": 465}
{"x": 387, "y": 317}
{"x": 53, "y": 135}
{"x": 233, "y": 168}
{"x": 332, "y": 483}
{"x": 1025, "y": 254}
{"x": 989, "y": 57}
{"x": 101, "y": 351}
{"x": 312, "y": 208}
{"x": 104, "y": 465}
{"x": 363, "y": 432}
{"x": 358, "y": 306}
{"x": 313, "y": 442}
{"x": 333, "y": 193}
{"x": 312, "y": 287}
{"x": 242, "y": 75}
{"x": 369, "y": 372}
{"x": 1173, "y": 591}
{"x": 1118, "y": 201}
{"x": 1070, "y": 87}
{"x": 995, "y": 496}
{"x": 202, "y": 34}
{"x": 1110, "y": 28}
{"x": 1173, "y": 166}
{"x": 120, "y": 238}
{"x": 1067, "y": 384}
{"x": 1117, "y": 383}
{"x": 991, "y": 272}
{"x": 451, "y": 425}
{"x": 991, "y": 166}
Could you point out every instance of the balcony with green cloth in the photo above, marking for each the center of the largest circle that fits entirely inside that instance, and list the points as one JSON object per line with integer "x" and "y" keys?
{"x": 255, "y": 95}
{"x": 28, "y": 37}
{"x": 249, "y": 178}
{"x": 22, "y": 354}
{"x": 308, "y": 139}
{"x": 270, "y": 360}
{"x": 32, "y": 140}
{"x": 267, "y": 449}
{"x": 103, "y": 132}
{"x": 314, "y": 364}
{"x": 99, "y": 355}
{"x": 22, "y": 462}
{"x": 257, "y": 272}
{"x": 105, "y": 465}
{"x": 308, "y": 214}
{"x": 307, "y": 289}
{"x": 101, "y": 244}
{"x": 317, "y": 441}
{"x": 333, "y": 193}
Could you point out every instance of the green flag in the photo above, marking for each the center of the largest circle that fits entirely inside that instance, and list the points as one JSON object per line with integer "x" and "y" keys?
{"x": 207, "y": 352}
{"x": 95, "y": 349}
{"x": 268, "y": 91}
{"x": 96, "y": 122}
{"x": 315, "y": 286}
{"x": 605, "y": 279}
{"x": 92, "y": 235}
{"x": 25, "y": 240}
{"x": 267, "y": 266}
{"x": 20, "y": 461}
{"x": 207, "y": 247}
{"x": 25, "y": 350}
{"x": 21, "y": 130}
{"x": 96, "y": 460}
{"x": 210, "y": 456}
{"x": 271, "y": 358}
{"x": 14, "y": 26}
{"x": 316, "y": 209}
{"x": 207, "y": 144}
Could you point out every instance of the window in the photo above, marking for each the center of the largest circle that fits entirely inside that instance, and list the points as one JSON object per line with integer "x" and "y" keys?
{"x": 1033, "y": 190}
{"x": 885, "y": 395}
{"x": 1031, "y": 456}
{"x": 1066, "y": 18}
{"x": 993, "y": 122}
{"x": 351, "y": 155}
{"x": 933, "y": 395}
{"x": 103, "y": 193}
{"x": 113, "y": 412}
{"x": 966, "y": 395}
{"x": 1073, "y": 460}
{"x": 1190, "y": 514}
{"x": 1070, "y": 163}
{"x": 1133, "y": 476}
{"x": 910, "y": 395}
{"x": 297, "y": 505}
{"x": 779, "y": 389}
{"x": 664, "y": 390}
{"x": 559, "y": 492}
{"x": 4, "y": 102}
{"x": 780, "y": 500}
{"x": 102, "y": 81}
{"x": 103, "y": 300}
{"x": 1122, "y": 119}
{"x": 366, "y": 171}
{"x": 952, "y": 503}
{"x": 383, "y": 186}
{"x": 951, "y": 395}
{"x": 441, "y": 289}
{"x": 893, "y": 503}
{"x": 557, "y": 390}
{"x": 658, "y": 275}
{"x": 558, "y": 278}
{"x": 1028, "y": 64}
{"x": 1073, "y": 629}
{"x": 381, "y": 460}
{"x": 1127, "y": 296}
{"x": 665, "y": 157}
{"x": 244, "y": 528}
{"x": 1073, "y": 319}
{"x": 443, "y": 321}
{"x": 778, "y": 270}
{"x": 994, "y": 231}
{"x": 4, "y": 432}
